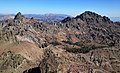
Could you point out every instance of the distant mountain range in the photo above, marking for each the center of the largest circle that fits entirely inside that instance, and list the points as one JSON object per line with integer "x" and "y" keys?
{"x": 6, "y": 17}
{"x": 47, "y": 17}
{"x": 115, "y": 18}
{"x": 43, "y": 17}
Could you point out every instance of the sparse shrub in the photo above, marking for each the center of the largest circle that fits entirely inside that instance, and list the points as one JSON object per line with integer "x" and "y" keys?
{"x": 68, "y": 42}
{"x": 78, "y": 44}
{"x": 55, "y": 43}
{"x": 83, "y": 48}
{"x": 71, "y": 43}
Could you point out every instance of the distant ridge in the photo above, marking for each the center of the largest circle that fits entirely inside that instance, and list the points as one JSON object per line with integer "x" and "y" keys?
{"x": 50, "y": 17}
{"x": 115, "y": 19}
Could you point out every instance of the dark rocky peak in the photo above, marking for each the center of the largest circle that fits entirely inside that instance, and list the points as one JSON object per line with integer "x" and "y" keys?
{"x": 66, "y": 19}
{"x": 92, "y": 17}
{"x": 88, "y": 14}
{"x": 19, "y": 16}
{"x": 89, "y": 17}
{"x": 22, "y": 19}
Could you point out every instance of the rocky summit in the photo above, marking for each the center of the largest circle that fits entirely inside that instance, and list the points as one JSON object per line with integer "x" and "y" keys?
{"x": 87, "y": 43}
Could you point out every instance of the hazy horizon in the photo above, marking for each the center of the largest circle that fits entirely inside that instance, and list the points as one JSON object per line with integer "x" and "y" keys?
{"x": 108, "y": 8}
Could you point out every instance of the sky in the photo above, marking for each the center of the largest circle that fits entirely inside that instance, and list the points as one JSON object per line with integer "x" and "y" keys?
{"x": 109, "y": 8}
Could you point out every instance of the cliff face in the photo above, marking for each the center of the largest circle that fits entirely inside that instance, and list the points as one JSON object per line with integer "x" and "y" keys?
{"x": 86, "y": 43}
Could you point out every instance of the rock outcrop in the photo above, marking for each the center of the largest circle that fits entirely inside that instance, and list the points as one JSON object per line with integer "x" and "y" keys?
{"x": 19, "y": 16}
{"x": 86, "y": 43}
{"x": 10, "y": 61}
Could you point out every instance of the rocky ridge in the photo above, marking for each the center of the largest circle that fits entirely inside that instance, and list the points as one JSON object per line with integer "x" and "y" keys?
{"x": 86, "y": 43}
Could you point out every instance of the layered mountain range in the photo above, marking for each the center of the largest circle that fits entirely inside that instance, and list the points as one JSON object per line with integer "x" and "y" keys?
{"x": 50, "y": 17}
{"x": 87, "y": 43}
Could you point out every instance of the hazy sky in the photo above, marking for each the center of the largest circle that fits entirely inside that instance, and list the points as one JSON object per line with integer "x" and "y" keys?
{"x": 70, "y": 7}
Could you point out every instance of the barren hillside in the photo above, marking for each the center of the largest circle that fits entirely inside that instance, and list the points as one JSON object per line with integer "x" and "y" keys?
{"x": 87, "y": 43}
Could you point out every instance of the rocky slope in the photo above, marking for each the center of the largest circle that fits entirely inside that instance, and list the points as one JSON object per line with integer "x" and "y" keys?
{"x": 87, "y": 43}
{"x": 6, "y": 17}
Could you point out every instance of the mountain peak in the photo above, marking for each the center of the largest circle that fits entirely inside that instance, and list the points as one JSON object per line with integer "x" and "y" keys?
{"x": 89, "y": 12}
{"x": 19, "y": 16}
{"x": 89, "y": 16}
{"x": 19, "y": 13}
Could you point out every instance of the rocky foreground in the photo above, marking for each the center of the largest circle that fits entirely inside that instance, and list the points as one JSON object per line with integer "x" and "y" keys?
{"x": 87, "y": 43}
